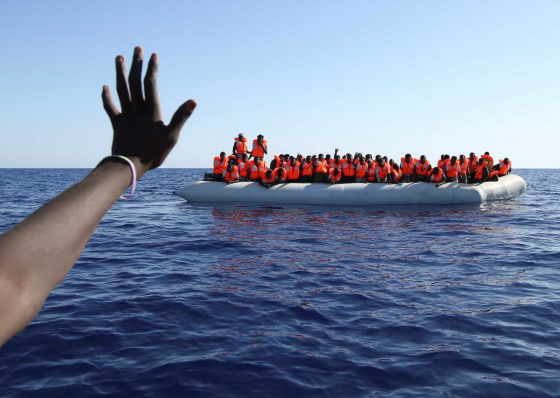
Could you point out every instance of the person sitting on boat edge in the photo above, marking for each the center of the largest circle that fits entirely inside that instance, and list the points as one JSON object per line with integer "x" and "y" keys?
{"x": 335, "y": 176}
{"x": 395, "y": 174}
{"x": 437, "y": 176}
{"x": 257, "y": 167}
{"x": 281, "y": 175}
{"x": 220, "y": 164}
{"x": 240, "y": 146}
{"x": 348, "y": 169}
{"x": 464, "y": 165}
{"x": 452, "y": 170}
{"x": 407, "y": 168}
{"x": 361, "y": 168}
{"x": 504, "y": 167}
{"x": 230, "y": 173}
{"x": 243, "y": 167}
{"x": 259, "y": 147}
{"x": 482, "y": 172}
{"x": 421, "y": 169}
{"x": 267, "y": 178}
{"x": 382, "y": 170}
{"x": 473, "y": 164}
{"x": 292, "y": 170}
{"x": 306, "y": 170}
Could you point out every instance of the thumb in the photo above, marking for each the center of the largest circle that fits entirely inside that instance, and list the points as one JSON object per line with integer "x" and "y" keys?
{"x": 181, "y": 116}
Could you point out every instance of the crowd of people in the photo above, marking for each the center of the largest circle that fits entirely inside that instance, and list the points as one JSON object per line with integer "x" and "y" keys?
{"x": 249, "y": 165}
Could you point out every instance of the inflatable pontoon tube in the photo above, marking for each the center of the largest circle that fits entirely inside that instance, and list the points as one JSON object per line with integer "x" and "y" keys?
{"x": 507, "y": 187}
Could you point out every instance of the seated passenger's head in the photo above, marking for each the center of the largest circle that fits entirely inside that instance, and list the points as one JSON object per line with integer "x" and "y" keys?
{"x": 244, "y": 157}
{"x": 222, "y": 155}
{"x": 506, "y": 161}
{"x": 281, "y": 157}
{"x": 480, "y": 161}
{"x": 436, "y": 170}
{"x": 487, "y": 153}
{"x": 472, "y": 155}
{"x": 381, "y": 162}
{"x": 447, "y": 157}
{"x": 453, "y": 159}
{"x": 314, "y": 157}
{"x": 348, "y": 156}
{"x": 292, "y": 160}
{"x": 337, "y": 158}
{"x": 368, "y": 156}
{"x": 442, "y": 157}
{"x": 408, "y": 157}
{"x": 396, "y": 167}
{"x": 308, "y": 159}
{"x": 462, "y": 158}
{"x": 320, "y": 156}
{"x": 260, "y": 137}
{"x": 429, "y": 167}
{"x": 377, "y": 157}
{"x": 241, "y": 136}
{"x": 280, "y": 172}
{"x": 385, "y": 159}
{"x": 391, "y": 162}
{"x": 423, "y": 159}
{"x": 328, "y": 156}
{"x": 230, "y": 166}
{"x": 269, "y": 173}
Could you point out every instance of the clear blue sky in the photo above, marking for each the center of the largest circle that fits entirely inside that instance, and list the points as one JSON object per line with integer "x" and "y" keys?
{"x": 380, "y": 77}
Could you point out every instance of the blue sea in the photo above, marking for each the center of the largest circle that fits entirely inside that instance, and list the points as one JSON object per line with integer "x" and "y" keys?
{"x": 172, "y": 299}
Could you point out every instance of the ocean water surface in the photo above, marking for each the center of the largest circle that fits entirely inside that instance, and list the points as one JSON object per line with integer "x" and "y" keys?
{"x": 172, "y": 299}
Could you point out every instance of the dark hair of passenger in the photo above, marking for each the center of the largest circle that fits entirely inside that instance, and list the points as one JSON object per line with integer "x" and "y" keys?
{"x": 487, "y": 153}
{"x": 269, "y": 173}
{"x": 446, "y": 157}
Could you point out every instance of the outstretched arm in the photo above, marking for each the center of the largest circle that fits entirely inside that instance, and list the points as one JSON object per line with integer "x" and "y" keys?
{"x": 37, "y": 253}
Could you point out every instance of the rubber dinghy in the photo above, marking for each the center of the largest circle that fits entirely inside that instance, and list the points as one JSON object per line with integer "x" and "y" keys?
{"x": 507, "y": 187}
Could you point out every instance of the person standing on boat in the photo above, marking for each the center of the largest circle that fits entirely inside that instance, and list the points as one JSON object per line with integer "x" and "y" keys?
{"x": 240, "y": 146}
{"x": 259, "y": 147}
{"x": 220, "y": 164}
{"x": 307, "y": 170}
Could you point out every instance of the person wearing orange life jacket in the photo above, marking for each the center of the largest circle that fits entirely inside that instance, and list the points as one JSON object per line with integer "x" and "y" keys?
{"x": 259, "y": 147}
{"x": 370, "y": 176}
{"x": 292, "y": 170}
{"x": 440, "y": 162}
{"x": 328, "y": 160}
{"x": 473, "y": 164}
{"x": 240, "y": 146}
{"x": 395, "y": 175}
{"x": 257, "y": 167}
{"x": 267, "y": 178}
{"x": 407, "y": 168}
{"x": 452, "y": 170}
{"x": 243, "y": 167}
{"x": 336, "y": 163}
{"x": 482, "y": 174}
{"x": 382, "y": 170}
{"x": 335, "y": 175}
{"x": 230, "y": 174}
{"x": 504, "y": 167}
{"x": 488, "y": 159}
{"x": 276, "y": 162}
{"x": 220, "y": 163}
{"x": 307, "y": 170}
{"x": 437, "y": 176}
{"x": 421, "y": 169}
{"x": 464, "y": 165}
{"x": 361, "y": 169}
{"x": 321, "y": 170}
{"x": 348, "y": 169}
{"x": 281, "y": 175}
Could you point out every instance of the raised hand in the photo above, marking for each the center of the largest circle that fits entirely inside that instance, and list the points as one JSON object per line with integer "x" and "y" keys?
{"x": 138, "y": 130}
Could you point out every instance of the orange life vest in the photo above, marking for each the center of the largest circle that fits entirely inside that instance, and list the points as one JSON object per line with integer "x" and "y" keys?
{"x": 452, "y": 170}
{"x": 242, "y": 167}
{"x": 241, "y": 146}
{"x": 504, "y": 168}
{"x": 219, "y": 165}
{"x": 231, "y": 175}
{"x": 397, "y": 175}
{"x": 489, "y": 159}
{"x": 422, "y": 168}
{"x": 473, "y": 164}
{"x": 339, "y": 165}
{"x": 334, "y": 179}
{"x": 293, "y": 171}
{"x": 257, "y": 171}
{"x": 284, "y": 174}
{"x": 437, "y": 178}
{"x": 382, "y": 172}
{"x": 266, "y": 180}
{"x": 440, "y": 163}
{"x": 348, "y": 169}
{"x": 464, "y": 167}
{"x": 258, "y": 151}
{"x": 307, "y": 169}
{"x": 361, "y": 169}
{"x": 406, "y": 168}
{"x": 371, "y": 172}
{"x": 480, "y": 171}
{"x": 321, "y": 166}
